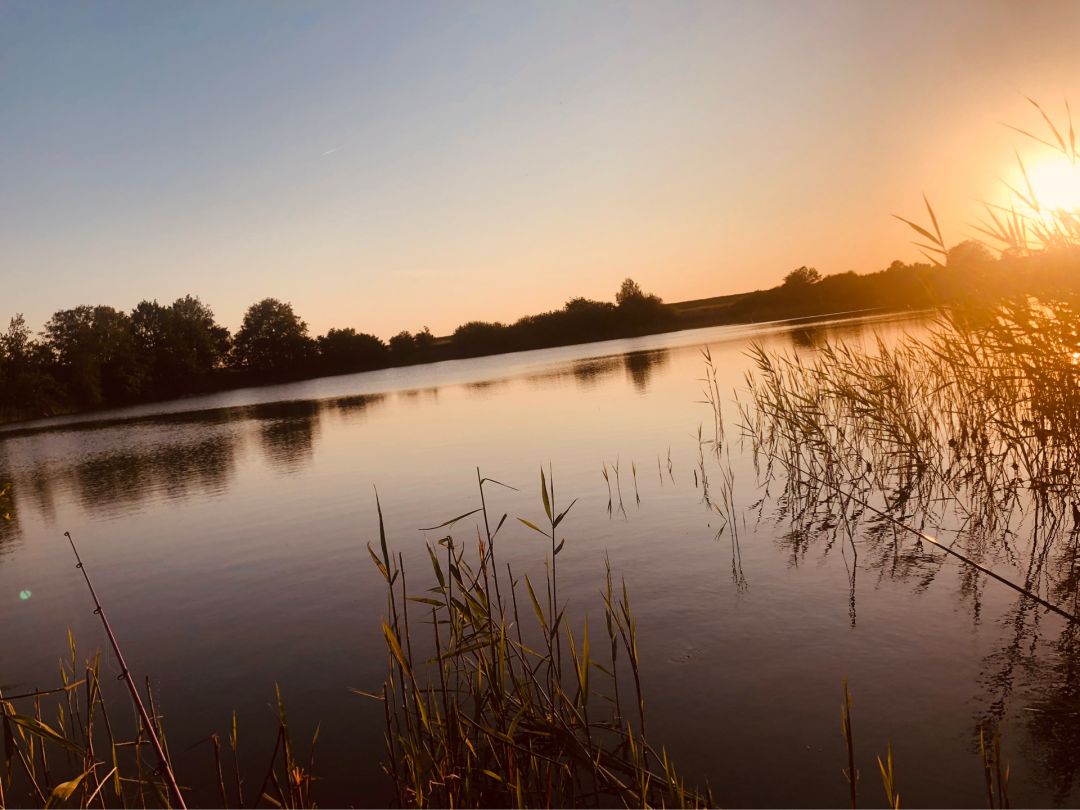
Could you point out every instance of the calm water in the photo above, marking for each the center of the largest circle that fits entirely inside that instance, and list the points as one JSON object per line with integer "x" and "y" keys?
{"x": 227, "y": 537}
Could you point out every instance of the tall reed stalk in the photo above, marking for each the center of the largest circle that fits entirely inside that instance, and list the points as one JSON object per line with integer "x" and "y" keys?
{"x": 482, "y": 709}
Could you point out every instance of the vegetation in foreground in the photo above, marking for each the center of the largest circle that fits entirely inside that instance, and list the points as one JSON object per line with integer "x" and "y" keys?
{"x": 482, "y": 709}
{"x": 492, "y": 718}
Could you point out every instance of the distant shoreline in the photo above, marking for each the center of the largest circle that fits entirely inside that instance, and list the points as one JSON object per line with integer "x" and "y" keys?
{"x": 23, "y": 426}
{"x": 96, "y": 358}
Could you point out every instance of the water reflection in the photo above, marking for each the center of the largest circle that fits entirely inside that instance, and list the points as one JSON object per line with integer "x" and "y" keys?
{"x": 588, "y": 373}
{"x": 172, "y": 457}
{"x": 109, "y": 481}
{"x": 288, "y": 431}
{"x": 485, "y": 387}
{"x": 9, "y": 515}
{"x": 419, "y": 394}
{"x": 37, "y": 487}
{"x": 352, "y": 407}
{"x": 640, "y": 366}
{"x": 1052, "y": 719}
{"x": 816, "y": 335}
{"x": 807, "y": 337}
{"x": 873, "y": 512}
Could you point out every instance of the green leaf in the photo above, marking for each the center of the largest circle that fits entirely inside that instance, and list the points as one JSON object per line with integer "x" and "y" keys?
{"x": 535, "y": 603}
{"x": 395, "y": 647}
{"x": 35, "y": 726}
{"x": 117, "y": 787}
{"x": 450, "y": 522}
{"x": 427, "y": 601}
{"x": 378, "y": 563}
{"x": 382, "y": 534}
{"x": 544, "y": 493}
{"x": 532, "y": 525}
{"x": 500, "y": 483}
{"x": 559, "y": 519}
{"x": 558, "y": 621}
{"x": 438, "y": 568}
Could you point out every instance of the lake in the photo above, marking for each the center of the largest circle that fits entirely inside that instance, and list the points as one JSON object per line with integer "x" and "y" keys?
{"x": 226, "y": 536}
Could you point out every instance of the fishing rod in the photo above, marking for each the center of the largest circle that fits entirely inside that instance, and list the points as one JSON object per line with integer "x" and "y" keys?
{"x": 947, "y": 549}
{"x": 125, "y": 674}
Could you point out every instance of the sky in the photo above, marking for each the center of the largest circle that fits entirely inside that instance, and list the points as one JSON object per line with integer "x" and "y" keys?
{"x": 391, "y": 165}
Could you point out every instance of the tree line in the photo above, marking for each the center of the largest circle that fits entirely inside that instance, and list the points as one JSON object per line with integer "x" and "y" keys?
{"x": 97, "y": 356}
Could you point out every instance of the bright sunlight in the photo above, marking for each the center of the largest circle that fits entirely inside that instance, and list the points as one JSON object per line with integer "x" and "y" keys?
{"x": 1056, "y": 183}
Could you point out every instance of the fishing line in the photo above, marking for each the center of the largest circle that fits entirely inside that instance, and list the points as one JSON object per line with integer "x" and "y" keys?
{"x": 947, "y": 549}
{"x": 125, "y": 674}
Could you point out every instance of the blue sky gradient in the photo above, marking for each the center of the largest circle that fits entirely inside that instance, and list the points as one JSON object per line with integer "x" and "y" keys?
{"x": 391, "y": 165}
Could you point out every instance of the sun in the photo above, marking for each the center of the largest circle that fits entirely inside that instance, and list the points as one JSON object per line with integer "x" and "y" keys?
{"x": 1056, "y": 183}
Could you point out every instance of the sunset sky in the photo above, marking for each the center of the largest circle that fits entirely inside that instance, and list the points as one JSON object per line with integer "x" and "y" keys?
{"x": 391, "y": 165}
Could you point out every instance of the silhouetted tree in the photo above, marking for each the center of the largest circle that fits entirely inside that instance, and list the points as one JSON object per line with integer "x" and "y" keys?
{"x": 205, "y": 342}
{"x": 403, "y": 346}
{"x": 802, "y": 277}
{"x": 629, "y": 292}
{"x": 424, "y": 340}
{"x": 179, "y": 346}
{"x": 480, "y": 337}
{"x": 639, "y": 312}
{"x": 970, "y": 253}
{"x": 273, "y": 340}
{"x": 348, "y": 350}
{"x": 27, "y": 389}
{"x": 95, "y": 355}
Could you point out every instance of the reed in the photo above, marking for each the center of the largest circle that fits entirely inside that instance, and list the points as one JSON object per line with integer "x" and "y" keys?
{"x": 70, "y": 746}
{"x": 1022, "y": 225}
{"x": 995, "y": 770}
{"x": 973, "y": 430}
{"x": 483, "y": 709}
{"x": 957, "y": 443}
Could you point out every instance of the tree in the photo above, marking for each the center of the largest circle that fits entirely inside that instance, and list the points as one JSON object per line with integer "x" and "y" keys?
{"x": 349, "y": 350}
{"x": 970, "y": 253}
{"x": 802, "y": 277}
{"x": 638, "y": 312}
{"x": 402, "y": 346}
{"x": 480, "y": 337}
{"x": 205, "y": 342}
{"x": 180, "y": 345}
{"x": 26, "y": 387}
{"x": 95, "y": 355}
{"x": 628, "y": 293}
{"x": 424, "y": 340}
{"x": 272, "y": 340}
